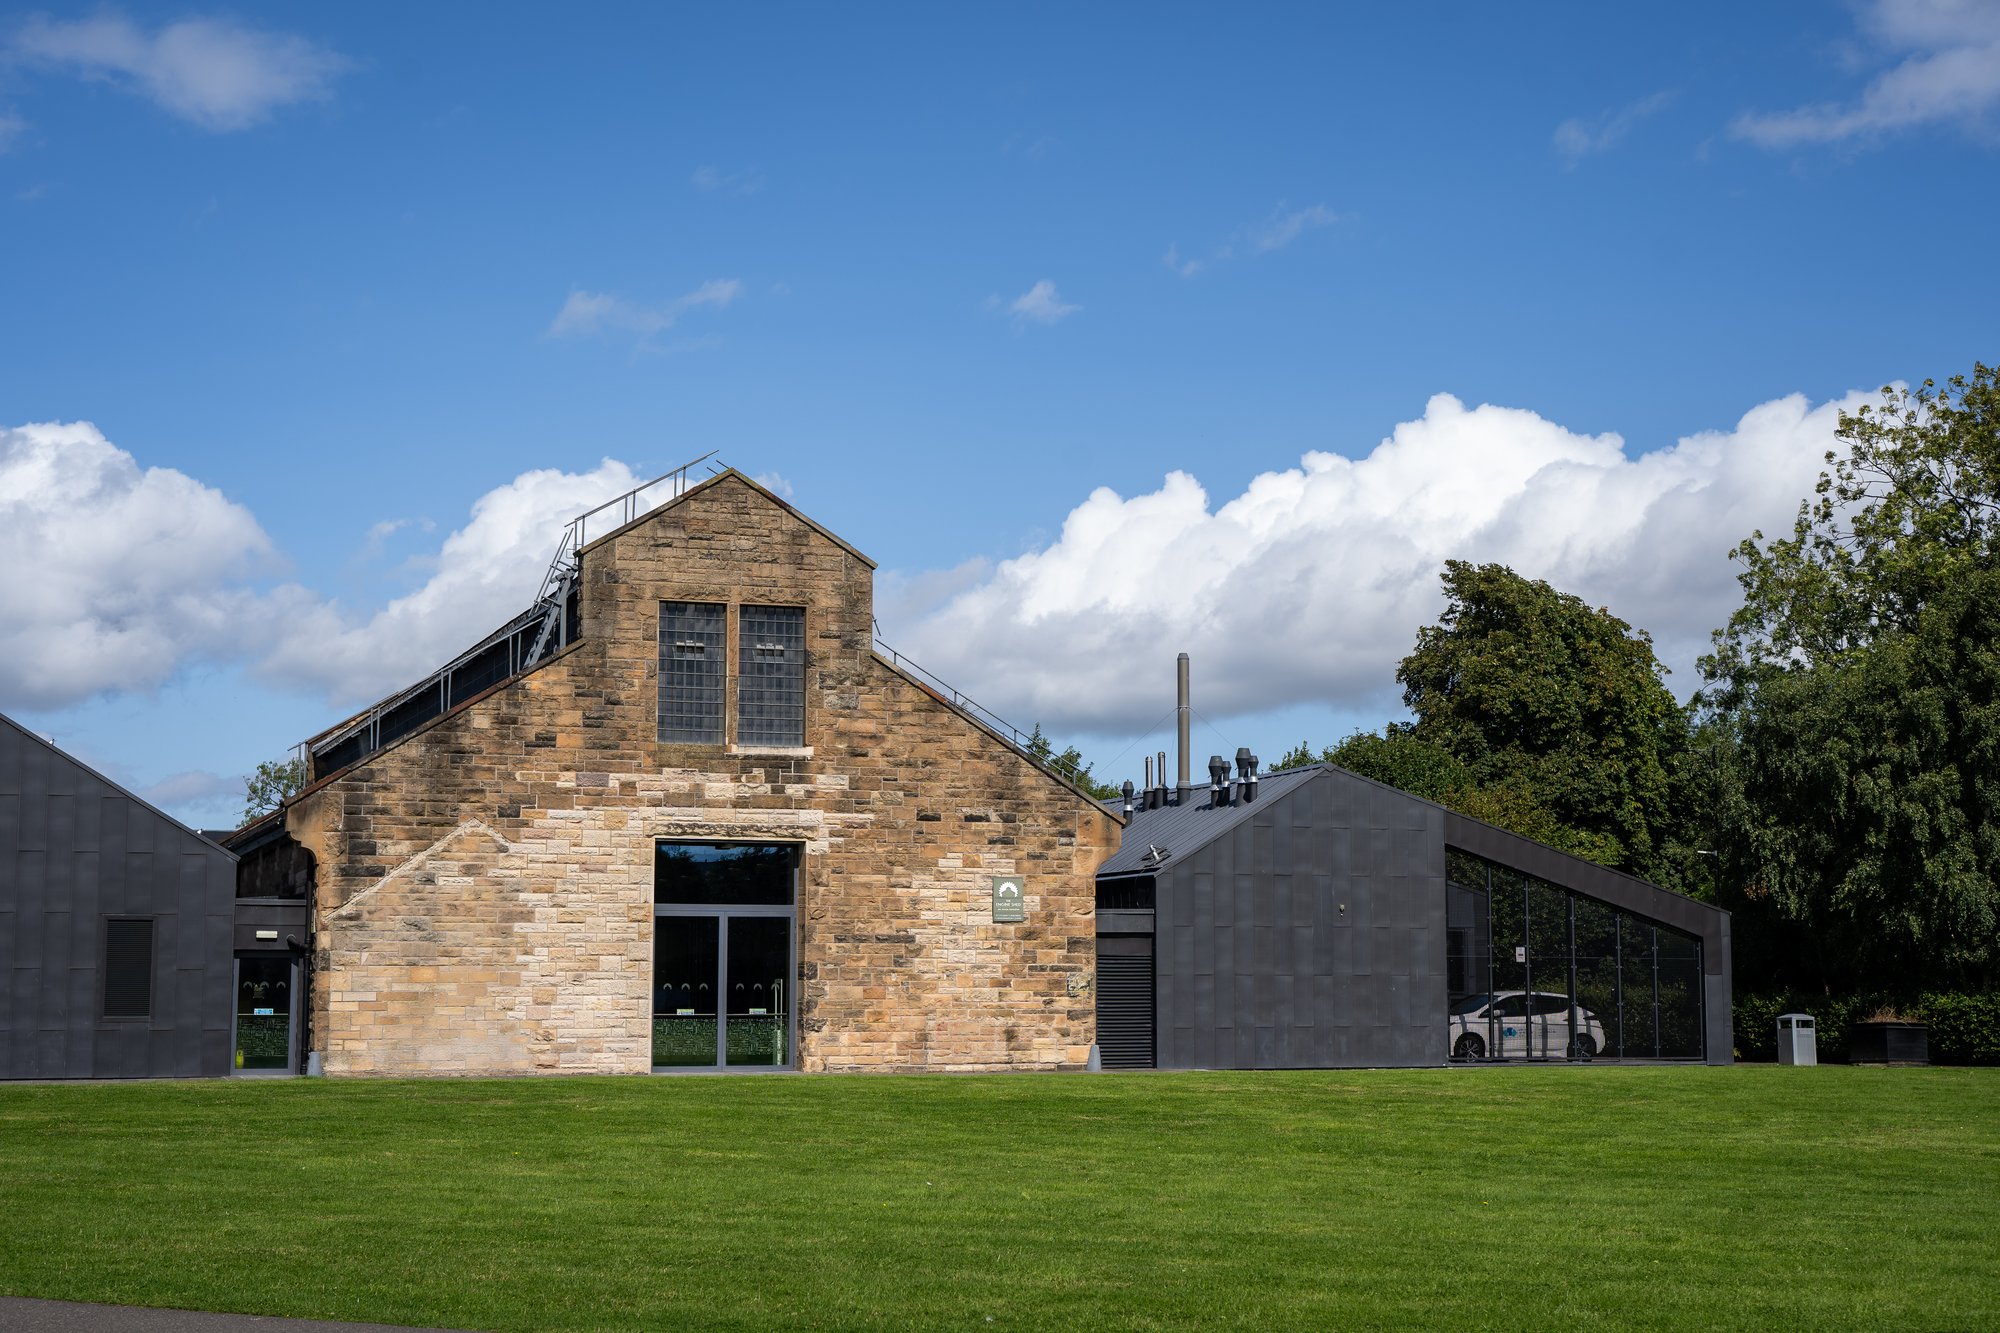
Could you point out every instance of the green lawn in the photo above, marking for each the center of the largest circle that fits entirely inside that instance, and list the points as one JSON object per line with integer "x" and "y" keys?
{"x": 1753, "y": 1197}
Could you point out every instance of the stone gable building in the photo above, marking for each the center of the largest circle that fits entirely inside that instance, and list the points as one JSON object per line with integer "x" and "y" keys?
{"x": 717, "y": 828}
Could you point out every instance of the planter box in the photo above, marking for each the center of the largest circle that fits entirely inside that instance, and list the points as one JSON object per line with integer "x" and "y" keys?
{"x": 1889, "y": 1044}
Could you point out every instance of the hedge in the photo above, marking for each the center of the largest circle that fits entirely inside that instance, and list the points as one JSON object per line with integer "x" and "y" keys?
{"x": 1965, "y": 1029}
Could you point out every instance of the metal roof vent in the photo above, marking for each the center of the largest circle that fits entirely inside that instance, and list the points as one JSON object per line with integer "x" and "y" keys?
{"x": 1218, "y": 780}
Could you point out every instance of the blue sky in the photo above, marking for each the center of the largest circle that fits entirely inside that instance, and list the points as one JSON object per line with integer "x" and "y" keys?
{"x": 943, "y": 275}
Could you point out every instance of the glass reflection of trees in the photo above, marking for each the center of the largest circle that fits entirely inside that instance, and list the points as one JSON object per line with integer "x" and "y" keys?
{"x": 725, "y": 874}
{"x": 1535, "y": 971}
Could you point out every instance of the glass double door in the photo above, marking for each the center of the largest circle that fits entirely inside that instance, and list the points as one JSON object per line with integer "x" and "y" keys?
{"x": 266, "y": 1012}
{"x": 721, "y": 997}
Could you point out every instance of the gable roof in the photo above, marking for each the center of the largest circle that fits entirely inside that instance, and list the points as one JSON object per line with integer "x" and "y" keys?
{"x": 1183, "y": 830}
{"x": 65, "y": 757}
{"x": 726, "y": 474}
{"x": 519, "y": 625}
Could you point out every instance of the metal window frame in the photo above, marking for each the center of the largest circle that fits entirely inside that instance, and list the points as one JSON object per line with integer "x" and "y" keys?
{"x": 292, "y": 1034}
{"x": 723, "y": 674}
{"x": 1620, "y": 916}
{"x": 741, "y": 676}
{"x": 723, "y": 911}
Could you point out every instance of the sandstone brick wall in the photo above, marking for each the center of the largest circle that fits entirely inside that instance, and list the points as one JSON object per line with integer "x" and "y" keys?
{"x": 485, "y": 895}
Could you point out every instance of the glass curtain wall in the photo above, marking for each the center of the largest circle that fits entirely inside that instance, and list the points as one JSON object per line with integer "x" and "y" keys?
{"x": 1537, "y": 972}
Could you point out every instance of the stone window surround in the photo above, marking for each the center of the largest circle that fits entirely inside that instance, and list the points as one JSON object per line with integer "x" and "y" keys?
{"x": 732, "y": 610}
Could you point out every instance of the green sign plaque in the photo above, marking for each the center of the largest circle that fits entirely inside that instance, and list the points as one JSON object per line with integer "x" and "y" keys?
{"x": 1010, "y": 898}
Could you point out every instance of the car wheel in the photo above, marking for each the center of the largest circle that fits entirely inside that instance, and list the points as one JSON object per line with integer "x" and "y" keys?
{"x": 1582, "y": 1046}
{"x": 1471, "y": 1046}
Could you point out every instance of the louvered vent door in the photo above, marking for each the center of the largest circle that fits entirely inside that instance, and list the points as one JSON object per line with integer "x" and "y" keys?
{"x": 1125, "y": 1002}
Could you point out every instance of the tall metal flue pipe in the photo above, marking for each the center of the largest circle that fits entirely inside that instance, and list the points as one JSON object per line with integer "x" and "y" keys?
{"x": 1183, "y": 712}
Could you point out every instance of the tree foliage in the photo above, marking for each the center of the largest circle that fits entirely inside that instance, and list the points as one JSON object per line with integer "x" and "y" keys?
{"x": 268, "y": 788}
{"x": 1070, "y": 764}
{"x": 1558, "y": 713}
{"x": 1542, "y": 715}
{"x": 1860, "y": 685}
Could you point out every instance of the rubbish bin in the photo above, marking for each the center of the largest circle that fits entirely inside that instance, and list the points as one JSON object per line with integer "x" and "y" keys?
{"x": 1798, "y": 1042}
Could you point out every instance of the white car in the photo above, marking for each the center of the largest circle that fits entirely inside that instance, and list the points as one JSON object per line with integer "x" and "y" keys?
{"x": 1512, "y": 1024}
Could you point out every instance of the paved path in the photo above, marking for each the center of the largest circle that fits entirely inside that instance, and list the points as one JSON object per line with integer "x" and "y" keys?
{"x": 18, "y": 1315}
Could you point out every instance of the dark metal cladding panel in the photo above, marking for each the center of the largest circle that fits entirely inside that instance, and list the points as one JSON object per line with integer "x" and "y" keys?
{"x": 74, "y": 849}
{"x": 1224, "y": 982}
{"x": 1319, "y": 909}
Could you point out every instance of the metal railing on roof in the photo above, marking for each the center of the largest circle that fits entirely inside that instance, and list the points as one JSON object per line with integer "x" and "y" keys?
{"x": 548, "y": 615}
{"x": 632, "y": 504}
{"x": 1024, "y": 741}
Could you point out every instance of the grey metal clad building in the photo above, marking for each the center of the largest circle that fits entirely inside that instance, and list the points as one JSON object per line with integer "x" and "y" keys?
{"x": 1314, "y": 918}
{"x": 116, "y": 957}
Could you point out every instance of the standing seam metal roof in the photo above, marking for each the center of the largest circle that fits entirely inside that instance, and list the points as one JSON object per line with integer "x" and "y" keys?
{"x": 1179, "y": 829}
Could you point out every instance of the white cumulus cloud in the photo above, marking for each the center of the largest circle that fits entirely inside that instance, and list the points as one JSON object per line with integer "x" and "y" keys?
{"x": 1949, "y": 73}
{"x": 120, "y": 576}
{"x": 483, "y": 573}
{"x": 217, "y": 74}
{"x": 115, "y": 575}
{"x": 1041, "y": 304}
{"x": 1309, "y": 587}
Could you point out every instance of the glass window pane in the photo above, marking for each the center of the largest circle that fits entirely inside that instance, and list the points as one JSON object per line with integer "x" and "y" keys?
{"x": 1596, "y": 977}
{"x": 685, "y": 987}
{"x": 1636, "y": 995}
{"x": 771, "y": 676}
{"x": 759, "y": 965}
{"x": 1468, "y": 959}
{"x": 1548, "y": 967}
{"x": 1505, "y": 1032}
{"x": 732, "y": 874}
{"x": 693, "y": 639}
{"x": 1680, "y": 996}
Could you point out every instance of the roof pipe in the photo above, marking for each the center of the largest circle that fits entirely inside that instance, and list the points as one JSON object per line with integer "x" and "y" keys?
{"x": 1218, "y": 781}
{"x": 1184, "y": 712}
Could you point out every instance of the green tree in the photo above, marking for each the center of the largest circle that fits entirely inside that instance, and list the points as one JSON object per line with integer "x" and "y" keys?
{"x": 1560, "y": 716}
{"x": 1860, "y": 685}
{"x": 1397, "y": 757}
{"x": 1070, "y": 764}
{"x": 275, "y": 781}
